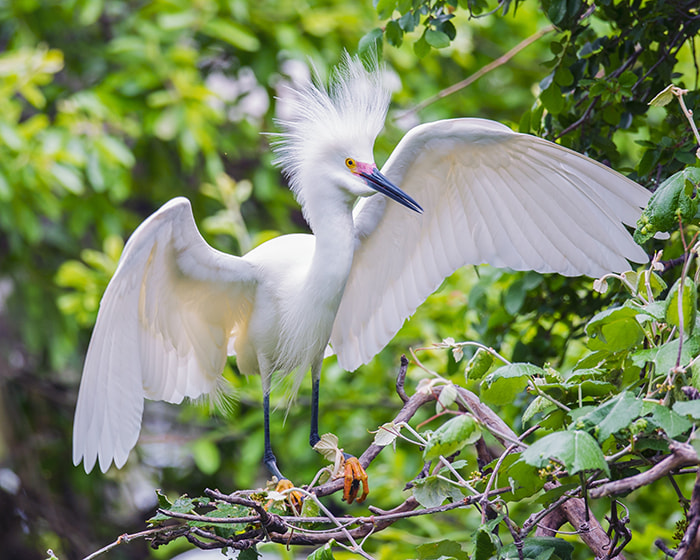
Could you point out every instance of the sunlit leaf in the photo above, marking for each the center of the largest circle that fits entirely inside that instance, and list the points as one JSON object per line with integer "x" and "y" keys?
{"x": 664, "y": 97}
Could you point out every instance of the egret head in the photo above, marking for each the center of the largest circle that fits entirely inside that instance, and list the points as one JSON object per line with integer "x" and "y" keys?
{"x": 325, "y": 148}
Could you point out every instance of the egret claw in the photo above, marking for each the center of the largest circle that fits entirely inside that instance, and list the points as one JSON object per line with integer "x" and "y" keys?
{"x": 354, "y": 475}
{"x": 294, "y": 498}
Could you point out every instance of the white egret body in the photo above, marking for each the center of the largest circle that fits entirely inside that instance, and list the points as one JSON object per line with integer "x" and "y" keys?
{"x": 176, "y": 308}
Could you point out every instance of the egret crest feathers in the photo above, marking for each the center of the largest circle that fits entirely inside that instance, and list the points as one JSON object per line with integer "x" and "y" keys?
{"x": 346, "y": 116}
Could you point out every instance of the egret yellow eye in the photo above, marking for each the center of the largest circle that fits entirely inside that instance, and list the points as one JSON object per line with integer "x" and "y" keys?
{"x": 351, "y": 163}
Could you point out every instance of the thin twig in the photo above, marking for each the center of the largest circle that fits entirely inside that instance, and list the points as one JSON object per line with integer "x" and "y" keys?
{"x": 500, "y": 61}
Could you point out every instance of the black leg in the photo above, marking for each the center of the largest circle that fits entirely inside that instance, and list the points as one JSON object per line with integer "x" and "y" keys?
{"x": 314, "y": 438}
{"x": 269, "y": 458}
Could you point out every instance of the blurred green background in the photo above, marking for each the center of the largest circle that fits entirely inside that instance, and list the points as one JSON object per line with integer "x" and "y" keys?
{"x": 110, "y": 108}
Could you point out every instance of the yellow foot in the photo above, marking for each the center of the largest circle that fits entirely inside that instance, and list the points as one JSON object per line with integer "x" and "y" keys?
{"x": 294, "y": 498}
{"x": 354, "y": 475}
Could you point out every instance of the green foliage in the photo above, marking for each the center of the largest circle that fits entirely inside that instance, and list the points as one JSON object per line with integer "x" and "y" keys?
{"x": 111, "y": 108}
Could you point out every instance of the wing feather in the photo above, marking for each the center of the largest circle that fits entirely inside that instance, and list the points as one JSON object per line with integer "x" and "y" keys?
{"x": 162, "y": 331}
{"x": 490, "y": 196}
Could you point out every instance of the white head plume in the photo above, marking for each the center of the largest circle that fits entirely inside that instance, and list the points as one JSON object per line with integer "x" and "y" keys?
{"x": 344, "y": 117}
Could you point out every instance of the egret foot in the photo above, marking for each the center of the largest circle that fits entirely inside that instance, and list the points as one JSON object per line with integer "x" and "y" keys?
{"x": 294, "y": 498}
{"x": 354, "y": 475}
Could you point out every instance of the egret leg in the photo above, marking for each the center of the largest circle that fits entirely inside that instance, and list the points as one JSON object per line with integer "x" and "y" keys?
{"x": 283, "y": 483}
{"x": 314, "y": 438}
{"x": 269, "y": 457}
{"x": 355, "y": 475}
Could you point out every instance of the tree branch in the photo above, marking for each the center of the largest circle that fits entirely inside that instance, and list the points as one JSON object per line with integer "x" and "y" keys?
{"x": 682, "y": 454}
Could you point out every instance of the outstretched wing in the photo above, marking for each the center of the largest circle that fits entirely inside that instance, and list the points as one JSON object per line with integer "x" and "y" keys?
{"x": 162, "y": 331}
{"x": 490, "y": 196}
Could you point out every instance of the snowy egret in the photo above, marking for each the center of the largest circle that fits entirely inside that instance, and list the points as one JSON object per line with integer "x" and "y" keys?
{"x": 176, "y": 307}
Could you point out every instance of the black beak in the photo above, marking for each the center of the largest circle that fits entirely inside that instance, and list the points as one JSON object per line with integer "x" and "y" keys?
{"x": 381, "y": 184}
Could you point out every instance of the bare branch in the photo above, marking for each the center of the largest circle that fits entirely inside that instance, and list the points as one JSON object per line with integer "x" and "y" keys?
{"x": 682, "y": 454}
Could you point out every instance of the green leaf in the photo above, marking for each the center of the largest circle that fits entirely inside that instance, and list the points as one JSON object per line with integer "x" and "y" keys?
{"x": 539, "y": 548}
{"x": 522, "y": 478}
{"x": 409, "y": 21}
{"x": 485, "y": 543}
{"x": 384, "y": 8}
{"x": 163, "y": 501}
{"x": 432, "y": 491}
{"x": 539, "y": 404}
{"x": 249, "y": 554}
{"x": 674, "y": 198}
{"x": 233, "y": 33}
{"x": 206, "y": 456}
{"x": 552, "y": 99}
{"x": 117, "y": 150}
{"x": 670, "y": 421}
{"x": 688, "y": 408}
{"x": 614, "y": 330}
{"x": 322, "y": 553}
{"x": 452, "y": 436}
{"x": 68, "y": 177}
{"x": 576, "y": 449}
{"x": 183, "y": 504}
{"x": 614, "y": 415}
{"x": 441, "y": 549}
{"x": 688, "y": 304}
{"x": 421, "y": 47}
{"x": 393, "y": 33}
{"x": 437, "y": 39}
{"x": 502, "y": 385}
{"x": 664, "y": 97}
{"x": 370, "y": 41}
{"x": 386, "y": 434}
{"x": 446, "y": 398}
{"x": 478, "y": 365}
{"x": 563, "y": 76}
{"x": 665, "y": 356}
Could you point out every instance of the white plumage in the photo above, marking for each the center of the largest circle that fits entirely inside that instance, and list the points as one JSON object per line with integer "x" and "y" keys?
{"x": 176, "y": 307}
